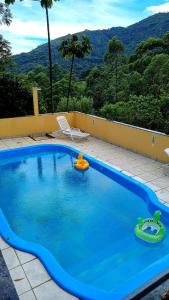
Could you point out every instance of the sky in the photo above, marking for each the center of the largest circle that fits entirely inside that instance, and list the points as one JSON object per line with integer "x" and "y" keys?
{"x": 28, "y": 27}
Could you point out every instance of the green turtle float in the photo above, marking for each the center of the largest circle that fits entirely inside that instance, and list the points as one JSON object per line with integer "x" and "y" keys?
{"x": 151, "y": 229}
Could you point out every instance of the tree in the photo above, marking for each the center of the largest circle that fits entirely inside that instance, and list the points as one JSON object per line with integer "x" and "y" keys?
{"x": 95, "y": 86}
{"x": 45, "y": 4}
{"x": 149, "y": 45}
{"x": 146, "y": 50}
{"x": 5, "y": 14}
{"x": 48, "y": 4}
{"x": 155, "y": 77}
{"x": 15, "y": 99}
{"x": 112, "y": 56}
{"x": 5, "y": 48}
{"x": 83, "y": 104}
{"x": 143, "y": 111}
{"x": 5, "y": 53}
{"x": 135, "y": 83}
{"x": 71, "y": 48}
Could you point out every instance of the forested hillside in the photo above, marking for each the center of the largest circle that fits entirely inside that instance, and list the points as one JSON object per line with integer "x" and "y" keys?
{"x": 154, "y": 26}
{"x": 127, "y": 78}
{"x": 128, "y": 88}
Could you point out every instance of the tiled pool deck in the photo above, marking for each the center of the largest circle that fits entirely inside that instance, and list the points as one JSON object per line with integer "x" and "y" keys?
{"x": 29, "y": 276}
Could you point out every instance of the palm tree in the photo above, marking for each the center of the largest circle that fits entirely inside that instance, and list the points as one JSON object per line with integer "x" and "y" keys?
{"x": 74, "y": 48}
{"x": 48, "y": 4}
{"x": 5, "y": 14}
{"x": 5, "y": 48}
{"x": 5, "y": 53}
{"x": 45, "y": 4}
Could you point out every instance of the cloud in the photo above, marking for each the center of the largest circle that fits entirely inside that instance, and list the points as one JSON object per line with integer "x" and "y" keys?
{"x": 163, "y": 8}
{"x": 25, "y": 36}
{"x": 22, "y": 45}
{"x": 27, "y": 3}
{"x": 68, "y": 16}
{"x": 38, "y": 29}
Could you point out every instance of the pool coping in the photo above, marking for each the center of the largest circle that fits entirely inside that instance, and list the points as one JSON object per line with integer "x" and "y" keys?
{"x": 66, "y": 281}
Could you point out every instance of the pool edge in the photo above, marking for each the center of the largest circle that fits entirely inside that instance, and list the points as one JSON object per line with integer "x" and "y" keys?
{"x": 67, "y": 282}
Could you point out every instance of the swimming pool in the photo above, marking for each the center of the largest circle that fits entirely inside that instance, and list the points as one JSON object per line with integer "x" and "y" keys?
{"x": 79, "y": 224}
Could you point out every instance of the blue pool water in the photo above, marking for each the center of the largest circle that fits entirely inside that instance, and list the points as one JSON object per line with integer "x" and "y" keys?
{"x": 85, "y": 219}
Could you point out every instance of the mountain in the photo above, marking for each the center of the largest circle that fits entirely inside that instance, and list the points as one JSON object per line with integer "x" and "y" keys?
{"x": 154, "y": 26}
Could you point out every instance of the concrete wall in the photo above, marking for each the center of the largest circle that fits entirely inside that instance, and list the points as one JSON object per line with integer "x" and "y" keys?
{"x": 140, "y": 140}
{"x": 28, "y": 125}
{"x": 143, "y": 141}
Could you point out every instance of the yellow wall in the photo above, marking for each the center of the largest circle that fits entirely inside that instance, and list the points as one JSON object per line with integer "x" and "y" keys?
{"x": 31, "y": 124}
{"x": 136, "y": 139}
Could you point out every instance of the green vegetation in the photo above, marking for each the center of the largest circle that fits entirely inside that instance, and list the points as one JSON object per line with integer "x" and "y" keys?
{"x": 5, "y": 49}
{"x": 142, "y": 98}
{"x": 5, "y": 53}
{"x": 72, "y": 48}
{"x": 46, "y": 4}
{"x": 5, "y": 14}
{"x": 83, "y": 104}
{"x": 131, "y": 88}
{"x": 15, "y": 96}
{"x": 17, "y": 100}
{"x": 113, "y": 57}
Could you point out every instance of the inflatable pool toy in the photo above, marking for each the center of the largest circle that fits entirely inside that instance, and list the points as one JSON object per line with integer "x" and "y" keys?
{"x": 151, "y": 229}
{"x": 81, "y": 163}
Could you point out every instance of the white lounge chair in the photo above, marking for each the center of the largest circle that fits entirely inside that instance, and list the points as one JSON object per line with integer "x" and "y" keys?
{"x": 73, "y": 133}
{"x": 167, "y": 151}
{"x": 166, "y": 166}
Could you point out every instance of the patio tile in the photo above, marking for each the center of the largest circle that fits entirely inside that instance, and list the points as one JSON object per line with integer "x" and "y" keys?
{"x": 163, "y": 195}
{"x": 10, "y": 258}
{"x": 148, "y": 176}
{"x": 153, "y": 187}
{"x": 148, "y": 167}
{"x": 3, "y": 244}
{"x": 51, "y": 291}
{"x": 134, "y": 170}
{"x": 24, "y": 256}
{"x": 162, "y": 182}
{"x": 20, "y": 281}
{"x": 2, "y": 146}
{"x": 27, "y": 296}
{"x": 167, "y": 201}
{"x": 35, "y": 273}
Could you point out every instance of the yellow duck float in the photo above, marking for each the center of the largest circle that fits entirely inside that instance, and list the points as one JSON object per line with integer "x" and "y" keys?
{"x": 80, "y": 163}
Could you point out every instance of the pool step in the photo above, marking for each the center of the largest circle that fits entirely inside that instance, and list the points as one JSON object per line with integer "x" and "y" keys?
{"x": 120, "y": 274}
{"x": 100, "y": 255}
{"x": 112, "y": 270}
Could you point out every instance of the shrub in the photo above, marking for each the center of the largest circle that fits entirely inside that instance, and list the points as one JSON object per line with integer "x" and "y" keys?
{"x": 139, "y": 111}
{"x": 82, "y": 104}
{"x": 15, "y": 100}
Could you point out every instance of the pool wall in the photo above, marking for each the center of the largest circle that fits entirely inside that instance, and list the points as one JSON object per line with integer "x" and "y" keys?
{"x": 66, "y": 281}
